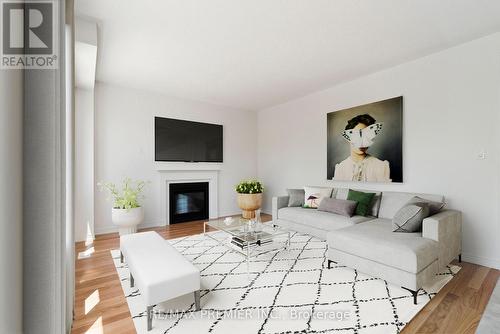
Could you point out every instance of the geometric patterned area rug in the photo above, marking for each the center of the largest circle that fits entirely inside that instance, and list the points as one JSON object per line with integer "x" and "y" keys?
{"x": 289, "y": 291}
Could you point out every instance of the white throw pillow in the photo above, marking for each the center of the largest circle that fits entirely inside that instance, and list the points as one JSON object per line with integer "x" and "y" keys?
{"x": 314, "y": 195}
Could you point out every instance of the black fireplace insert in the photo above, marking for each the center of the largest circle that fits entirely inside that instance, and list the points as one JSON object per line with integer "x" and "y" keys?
{"x": 188, "y": 201}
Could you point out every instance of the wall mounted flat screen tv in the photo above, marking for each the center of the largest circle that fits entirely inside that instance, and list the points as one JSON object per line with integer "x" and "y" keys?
{"x": 179, "y": 140}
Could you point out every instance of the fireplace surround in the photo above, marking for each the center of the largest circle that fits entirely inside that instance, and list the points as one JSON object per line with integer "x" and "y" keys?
{"x": 185, "y": 173}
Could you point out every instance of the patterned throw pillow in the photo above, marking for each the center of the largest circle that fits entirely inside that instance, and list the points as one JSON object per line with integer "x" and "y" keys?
{"x": 410, "y": 217}
{"x": 295, "y": 197}
{"x": 314, "y": 195}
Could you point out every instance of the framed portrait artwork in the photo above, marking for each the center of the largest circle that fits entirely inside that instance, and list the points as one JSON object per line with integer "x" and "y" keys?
{"x": 365, "y": 143}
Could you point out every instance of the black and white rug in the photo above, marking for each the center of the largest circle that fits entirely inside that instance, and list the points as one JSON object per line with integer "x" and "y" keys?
{"x": 285, "y": 292}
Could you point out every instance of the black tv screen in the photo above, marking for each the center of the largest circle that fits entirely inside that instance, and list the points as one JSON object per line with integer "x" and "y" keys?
{"x": 179, "y": 140}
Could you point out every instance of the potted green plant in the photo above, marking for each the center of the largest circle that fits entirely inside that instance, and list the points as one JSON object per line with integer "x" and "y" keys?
{"x": 126, "y": 213}
{"x": 249, "y": 197}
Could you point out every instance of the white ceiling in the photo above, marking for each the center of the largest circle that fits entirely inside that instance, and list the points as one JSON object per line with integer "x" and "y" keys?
{"x": 252, "y": 54}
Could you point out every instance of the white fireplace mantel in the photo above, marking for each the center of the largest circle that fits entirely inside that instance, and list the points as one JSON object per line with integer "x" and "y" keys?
{"x": 187, "y": 166}
{"x": 175, "y": 175}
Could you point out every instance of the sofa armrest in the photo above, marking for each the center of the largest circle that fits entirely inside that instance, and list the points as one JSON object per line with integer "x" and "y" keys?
{"x": 445, "y": 227}
{"x": 278, "y": 203}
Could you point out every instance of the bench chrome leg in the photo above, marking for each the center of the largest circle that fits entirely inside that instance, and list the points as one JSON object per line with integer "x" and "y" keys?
{"x": 132, "y": 283}
{"x": 121, "y": 257}
{"x": 150, "y": 317}
{"x": 197, "y": 300}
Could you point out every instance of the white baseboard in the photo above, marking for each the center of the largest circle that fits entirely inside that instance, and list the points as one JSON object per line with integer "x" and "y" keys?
{"x": 156, "y": 223}
{"x": 482, "y": 261}
{"x": 113, "y": 229}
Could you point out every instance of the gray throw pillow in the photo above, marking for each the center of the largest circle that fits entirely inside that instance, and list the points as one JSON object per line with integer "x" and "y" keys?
{"x": 296, "y": 197}
{"x": 434, "y": 207}
{"x": 339, "y": 206}
{"x": 410, "y": 217}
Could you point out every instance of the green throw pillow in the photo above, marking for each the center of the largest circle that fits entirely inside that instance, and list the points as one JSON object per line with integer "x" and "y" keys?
{"x": 364, "y": 201}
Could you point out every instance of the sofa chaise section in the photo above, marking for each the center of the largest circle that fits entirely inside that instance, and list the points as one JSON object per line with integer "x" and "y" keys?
{"x": 406, "y": 259}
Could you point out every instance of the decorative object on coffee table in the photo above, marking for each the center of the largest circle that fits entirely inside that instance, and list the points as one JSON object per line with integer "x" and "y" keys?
{"x": 248, "y": 237}
{"x": 126, "y": 213}
{"x": 249, "y": 197}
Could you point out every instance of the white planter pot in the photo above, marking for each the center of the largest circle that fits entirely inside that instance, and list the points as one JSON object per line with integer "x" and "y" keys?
{"x": 127, "y": 220}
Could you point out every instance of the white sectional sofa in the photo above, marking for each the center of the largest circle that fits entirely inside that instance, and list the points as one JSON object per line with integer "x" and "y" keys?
{"x": 369, "y": 244}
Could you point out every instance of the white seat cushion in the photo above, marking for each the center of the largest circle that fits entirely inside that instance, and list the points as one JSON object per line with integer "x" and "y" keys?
{"x": 318, "y": 219}
{"x": 375, "y": 241}
{"x": 160, "y": 271}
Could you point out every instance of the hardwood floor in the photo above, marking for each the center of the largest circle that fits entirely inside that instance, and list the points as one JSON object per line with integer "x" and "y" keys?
{"x": 98, "y": 285}
{"x": 100, "y": 306}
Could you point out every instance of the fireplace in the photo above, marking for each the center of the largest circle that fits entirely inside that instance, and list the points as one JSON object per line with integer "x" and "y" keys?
{"x": 188, "y": 201}
{"x": 188, "y": 173}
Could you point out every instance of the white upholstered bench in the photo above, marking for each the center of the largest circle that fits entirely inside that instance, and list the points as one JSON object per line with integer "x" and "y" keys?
{"x": 160, "y": 272}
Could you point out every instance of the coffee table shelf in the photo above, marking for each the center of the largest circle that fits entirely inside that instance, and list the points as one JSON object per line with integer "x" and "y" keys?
{"x": 248, "y": 239}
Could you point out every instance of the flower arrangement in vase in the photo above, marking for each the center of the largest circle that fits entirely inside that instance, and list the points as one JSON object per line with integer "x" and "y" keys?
{"x": 249, "y": 197}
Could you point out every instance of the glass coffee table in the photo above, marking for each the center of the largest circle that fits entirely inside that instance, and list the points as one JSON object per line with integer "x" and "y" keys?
{"x": 247, "y": 238}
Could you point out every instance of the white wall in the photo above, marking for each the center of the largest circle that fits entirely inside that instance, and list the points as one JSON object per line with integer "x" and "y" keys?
{"x": 11, "y": 214}
{"x": 84, "y": 164}
{"x": 85, "y": 48}
{"x": 124, "y": 146}
{"x": 85, "y": 53}
{"x": 69, "y": 90}
{"x": 451, "y": 112}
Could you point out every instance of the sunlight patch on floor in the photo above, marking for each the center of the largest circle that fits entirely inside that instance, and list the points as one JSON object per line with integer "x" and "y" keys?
{"x": 89, "y": 240}
{"x": 86, "y": 253}
{"x": 96, "y": 327}
{"x": 91, "y": 301}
